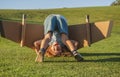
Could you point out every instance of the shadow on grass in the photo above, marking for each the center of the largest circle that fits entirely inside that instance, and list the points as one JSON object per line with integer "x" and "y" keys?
{"x": 57, "y": 61}
{"x": 117, "y": 59}
{"x": 112, "y": 57}
{"x": 101, "y": 54}
{"x": 98, "y": 60}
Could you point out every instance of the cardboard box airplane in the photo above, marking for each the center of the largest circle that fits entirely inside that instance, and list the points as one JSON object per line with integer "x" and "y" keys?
{"x": 25, "y": 34}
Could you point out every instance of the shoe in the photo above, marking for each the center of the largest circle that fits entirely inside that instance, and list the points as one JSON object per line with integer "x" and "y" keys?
{"x": 77, "y": 56}
{"x": 40, "y": 57}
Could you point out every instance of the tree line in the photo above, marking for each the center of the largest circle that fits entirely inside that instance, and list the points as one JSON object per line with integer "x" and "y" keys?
{"x": 115, "y": 3}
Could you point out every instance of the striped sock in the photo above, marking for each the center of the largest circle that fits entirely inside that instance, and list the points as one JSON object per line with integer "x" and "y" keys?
{"x": 42, "y": 50}
{"x": 74, "y": 52}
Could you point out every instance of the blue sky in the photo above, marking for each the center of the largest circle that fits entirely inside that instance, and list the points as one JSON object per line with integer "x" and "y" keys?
{"x": 46, "y": 4}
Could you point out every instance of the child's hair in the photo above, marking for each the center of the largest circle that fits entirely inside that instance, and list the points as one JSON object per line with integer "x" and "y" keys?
{"x": 65, "y": 52}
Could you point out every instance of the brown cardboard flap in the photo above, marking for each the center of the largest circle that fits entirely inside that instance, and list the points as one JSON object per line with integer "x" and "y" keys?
{"x": 100, "y": 30}
{"x": 78, "y": 33}
{"x": 11, "y": 30}
{"x": 33, "y": 32}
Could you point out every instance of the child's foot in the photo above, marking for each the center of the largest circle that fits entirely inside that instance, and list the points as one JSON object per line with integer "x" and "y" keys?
{"x": 40, "y": 57}
{"x": 77, "y": 56}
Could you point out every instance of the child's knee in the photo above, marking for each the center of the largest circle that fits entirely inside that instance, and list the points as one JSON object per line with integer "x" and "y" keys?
{"x": 35, "y": 43}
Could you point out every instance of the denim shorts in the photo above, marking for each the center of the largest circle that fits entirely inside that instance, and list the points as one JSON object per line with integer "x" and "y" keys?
{"x": 55, "y": 22}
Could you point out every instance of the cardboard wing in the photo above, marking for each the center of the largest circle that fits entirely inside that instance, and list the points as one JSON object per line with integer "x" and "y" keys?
{"x": 83, "y": 33}
{"x": 88, "y": 35}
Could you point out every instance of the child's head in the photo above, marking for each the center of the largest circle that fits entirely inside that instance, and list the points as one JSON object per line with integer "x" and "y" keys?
{"x": 54, "y": 50}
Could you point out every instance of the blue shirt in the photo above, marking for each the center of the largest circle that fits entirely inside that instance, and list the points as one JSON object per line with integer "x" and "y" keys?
{"x": 56, "y": 37}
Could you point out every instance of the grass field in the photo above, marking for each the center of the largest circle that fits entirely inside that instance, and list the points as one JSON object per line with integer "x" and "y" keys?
{"x": 102, "y": 59}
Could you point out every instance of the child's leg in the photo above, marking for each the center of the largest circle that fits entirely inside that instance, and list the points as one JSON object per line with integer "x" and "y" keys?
{"x": 71, "y": 46}
{"x": 67, "y": 42}
{"x": 43, "y": 46}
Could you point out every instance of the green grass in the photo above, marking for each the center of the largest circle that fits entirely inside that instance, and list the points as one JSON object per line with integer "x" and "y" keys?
{"x": 102, "y": 59}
